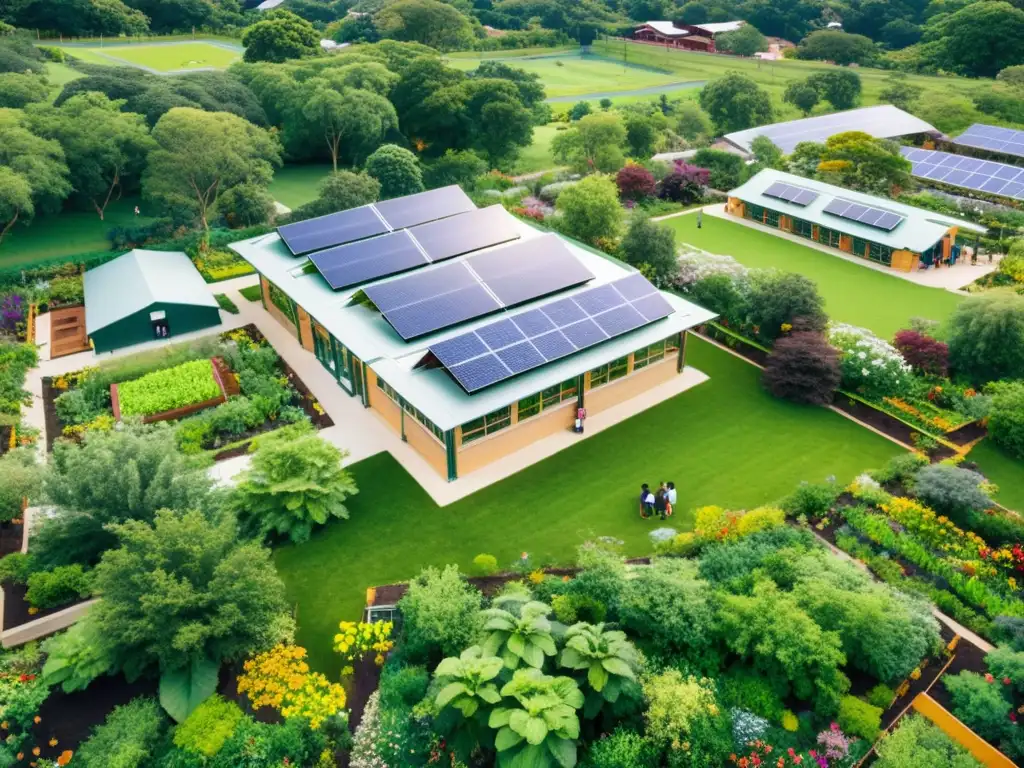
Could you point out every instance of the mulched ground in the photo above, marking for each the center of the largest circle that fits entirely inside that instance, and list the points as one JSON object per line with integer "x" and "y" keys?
{"x": 16, "y": 607}
{"x": 11, "y": 535}
{"x": 969, "y": 657}
{"x": 968, "y": 433}
{"x": 881, "y": 421}
{"x": 5, "y": 438}
{"x": 54, "y": 427}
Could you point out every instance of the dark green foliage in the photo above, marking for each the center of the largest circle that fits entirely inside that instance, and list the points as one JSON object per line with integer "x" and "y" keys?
{"x": 881, "y": 696}
{"x": 811, "y": 499}
{"x": 403, "y": 687}
{"x": 64, "y": 584}
{"x": 1006, "y": 420}
{"x": 784, "y": 298}
{"x": 900, "y": 469}
{"x": 730, "y": 565}
{"x": 980, "y": 705}
{"x": 127, "y": 739}
{"x": 986, "y": 338}
{"x": 17, "y": 54}
{"x": 837, "y": 46}
{"x": 728, "y": 170}
{"x": 743, "y": 688}
{"x": 246, "y": 205}
{"x": 648, "y": 243}
{"x": 439, "y": 615}
{"x": 280, "y": 35}
{"x": 735, "y": 102}
{"x": 622, "y": 748}
{"x": 339, "y": 192}
{"x": 579, "y": 110}
{"x": 454, "y": 167}
{"x": 16, "y": 567}
{"x": 397, "y": 170}
{"x": 840, "y": 87}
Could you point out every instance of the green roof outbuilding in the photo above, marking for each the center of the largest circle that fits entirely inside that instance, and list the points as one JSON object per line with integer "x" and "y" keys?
{"x": 137, "y": 296}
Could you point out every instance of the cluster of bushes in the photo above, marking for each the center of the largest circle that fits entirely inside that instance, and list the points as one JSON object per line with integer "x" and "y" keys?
{"x": 754, "y": 617}
{"x": 15, "y": 361}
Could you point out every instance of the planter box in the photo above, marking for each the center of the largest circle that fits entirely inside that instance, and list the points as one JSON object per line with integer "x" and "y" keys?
{"x": 220, "y": 375}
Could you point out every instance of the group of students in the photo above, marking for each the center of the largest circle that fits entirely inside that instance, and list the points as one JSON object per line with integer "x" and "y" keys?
{"x": 659, "y": 502}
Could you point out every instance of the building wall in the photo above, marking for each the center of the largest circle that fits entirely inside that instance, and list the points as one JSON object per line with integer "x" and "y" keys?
{"x": 137, "y": 328}
{"x": 381, "y": 403}
{"x": 276, "y": 313}
{"x": 426, "y": 445}
{"x": 487, "y": 449}
{"x": 614, "y": 392}
{"x": 305, "y": 329}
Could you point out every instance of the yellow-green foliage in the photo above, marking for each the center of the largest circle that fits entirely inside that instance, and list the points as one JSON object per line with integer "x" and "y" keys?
{"x": 790, "y": 721}
{"x": 760, "y": 519}
{"x": 211, "y": 724}
{"x": 168, "y": 389}
{"x": 681, "y": 545}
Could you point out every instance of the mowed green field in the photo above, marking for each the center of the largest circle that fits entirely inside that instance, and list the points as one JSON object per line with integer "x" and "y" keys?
{"x": 171, "y": 57}
{"x": 726, "y": 441}
{"x": 853, "y": 293}
{"x": 1003, "y": 470}
{"x": 296, "y": 185}
{"x": 68, "y": 233}
{"x": 575, "y": 75}
{"x": 771, "y": 75}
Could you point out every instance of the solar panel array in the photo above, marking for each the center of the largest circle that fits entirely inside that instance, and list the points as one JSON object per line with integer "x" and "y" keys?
{"x": 519, "y": 343}
{"x": 791, "y": 193}
{"x": 967, "y": 172}
{"x": 453, "y": 293}
{"x": 993, "y": 138}
{"x": 864, "y": 214}
{"x": 405, "y": 249}
{"x": 374, "y": 219}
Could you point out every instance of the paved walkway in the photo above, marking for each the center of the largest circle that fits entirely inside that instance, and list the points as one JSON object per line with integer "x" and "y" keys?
{"x": 951, "y": 278}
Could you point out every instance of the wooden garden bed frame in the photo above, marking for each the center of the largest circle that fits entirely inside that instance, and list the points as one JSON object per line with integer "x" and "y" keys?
{"x": 221, "y": 374}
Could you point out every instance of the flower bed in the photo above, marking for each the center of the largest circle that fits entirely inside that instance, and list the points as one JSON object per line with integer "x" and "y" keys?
{"x": 170, "y": 389}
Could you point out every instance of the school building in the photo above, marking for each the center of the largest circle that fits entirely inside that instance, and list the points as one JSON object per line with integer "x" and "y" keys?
{"x": 874, "y": 228}
{"x": 471, "y": 333}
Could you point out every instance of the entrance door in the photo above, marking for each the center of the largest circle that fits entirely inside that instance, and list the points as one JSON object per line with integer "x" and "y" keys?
{"x": 357, "y": 378}
{"x": 161, "y": 330}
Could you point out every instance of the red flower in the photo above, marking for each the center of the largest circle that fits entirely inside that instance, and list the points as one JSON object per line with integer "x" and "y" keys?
{"x": 1013, "y": 717}
{"x": 989, "y": 678}
{"x": 1006, "y": 681}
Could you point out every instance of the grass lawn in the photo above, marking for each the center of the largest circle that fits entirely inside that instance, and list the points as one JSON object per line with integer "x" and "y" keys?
{"x": 774, "y": 76}
{"x": 172, "y": 57}
{"x": 1003, "y": 470}
{"x": 725, "y": 442}
{"x": 573, "y": 75}
{"x": 537, "y": 156}
{"x": 510, "y": 53}
{"x": 67, "y": 233}
{"x": 296, "y": 185}
{"x": 853, "y": 294}
{"x": 251, "y": 293}
{"x": 60, "y": 75}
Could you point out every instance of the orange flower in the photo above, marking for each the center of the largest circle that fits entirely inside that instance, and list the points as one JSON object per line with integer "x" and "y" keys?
{"x": 53, "y": 742}
{"x": 65, "y": 757}
{"x": 37, "y": 719}
{"x": 36, "y": 751}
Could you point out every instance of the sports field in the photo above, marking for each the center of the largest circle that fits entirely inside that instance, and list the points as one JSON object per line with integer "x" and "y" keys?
{"x": 853, "y": 294}
{"x": 758, "y": 453}
{"x": 171, "y": 57}
{"x": 576, "y": 75}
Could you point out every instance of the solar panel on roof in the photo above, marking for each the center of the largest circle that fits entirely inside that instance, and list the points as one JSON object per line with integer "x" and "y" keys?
{"x": 358, "y": 262}
{"x": 791, "y": 193}
{"x": 993, "y": 138}
{"x": 466, "y": 232}
{"x": 438, "y": 298}
{"x": 504, "y": 348}
{"x": 864, "y": 214}
{"x": 966, "y": 172}
{"x": 332, "y": 229}
{"x": 426, "y": 206}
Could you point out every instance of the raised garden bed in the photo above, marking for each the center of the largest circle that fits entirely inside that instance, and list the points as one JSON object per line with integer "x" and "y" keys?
{"x": 171, "y": 393}
{"x": 12, "y": 536}
{"x": 16, "y": 607}
{"x": 745, "y": 348}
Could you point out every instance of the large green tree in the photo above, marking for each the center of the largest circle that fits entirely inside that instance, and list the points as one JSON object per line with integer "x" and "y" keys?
{"x": 745, "y": 41}
{"x": 735, "y": 102}
{"x": 859, "y": 161}
{"x": 594, "y": 143}
{"x": 81, "y": 17}
{"x": 127, "y": 474}
{"x": 37, "y": 161}
{"x": 339, "y": 192}
{"x": 651, "y": 249}
{"x": 354, "y": 121}
{"x": 105, "y": 148}
{"x": 986, "y": 338}
{"x": 837, "y": 46}
{"x": 293, "y": 484}
{"x": 839, "y": 87}
{"x": 18, "y": 89}
{"x": 201, "y": 154}
{"x": 397, "y": 170}
{"x": 181, "y": 591}
{"x": 429, "y": 22}
{"x": 280, "y": 35}
{"x": 590, "y": 210}
{"x": 980, "y": 39}
{"x": 15, "y": 200}
{"x": 802, "y": 96}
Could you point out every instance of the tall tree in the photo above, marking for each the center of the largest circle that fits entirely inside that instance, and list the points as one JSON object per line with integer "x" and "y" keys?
{"x": 39, "y": 161}
{"x": 986, "y": 339}
{"x": 280, "y": 35}
{"x": 839, "y": 87}
{"x": 745, "y": 41}
{"x": 360, "y": 119}
{"x": 595, "y": 143}
{"x": 397, "y": 170}
{"x": 106, "y": 148}
{"x": 15, "y": 200}
{"x": 735, "y": 102}
{"x": 837, "y": 46}
{"x": 651, "y": 248}
{"x": 590, "y": 210}
{"x": 430, "y": 22}
{"x": 802, "y": 96}
{"x": 201, "y": 154}
{"x": 980, "y": 39}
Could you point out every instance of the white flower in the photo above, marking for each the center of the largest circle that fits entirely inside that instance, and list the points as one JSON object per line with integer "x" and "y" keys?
{"x": 862, "y": 355}
{"x": 864, "y": 371}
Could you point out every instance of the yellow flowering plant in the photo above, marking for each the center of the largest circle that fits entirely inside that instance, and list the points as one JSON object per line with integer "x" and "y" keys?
{"x": 281, "y": 679}
{"x": 355, "y": 640}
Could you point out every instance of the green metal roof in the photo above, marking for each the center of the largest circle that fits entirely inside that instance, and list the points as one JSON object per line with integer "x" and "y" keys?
{"x": 139, "y": 279}
{"x": 918, "y": 232}
{"x": 370, "y": 338}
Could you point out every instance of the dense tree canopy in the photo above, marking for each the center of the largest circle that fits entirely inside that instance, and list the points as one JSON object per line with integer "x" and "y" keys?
{"x": 839, "y": 87}
{"x": 986, "y": 340}
{"x": 279, "y": 36}
{"x": 430, "y": 22}
{"x": 735, "y": 102}
{"x": 980, "y": 39}
{"x": 202, "y": 154}
{"x": 37, "y": 161}
{"x": 837, "y": 46}
{"x": 397, "y": 170}
{"x": 17, "y": 90}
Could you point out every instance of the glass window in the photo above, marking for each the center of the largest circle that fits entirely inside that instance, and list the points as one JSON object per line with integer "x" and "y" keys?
{"x": 860, "y": 247}
{"x": 755, "y": 212}
{"x": 802, "y": 228}
{"x": 772, "y": 218}
{"x": 486, "y": 425}
{"x": 618, "y": 368}
{"x": 880, "y": 253}
{"x": 599, "y": 376}
{"x": 828, "y": 237}
{"x": 559, "y": 393}
{"x": 406, "y": 406}
{"x": 647, "y": 355}
{"x": 672, "y": 343}
{"x": 529, "y": 406}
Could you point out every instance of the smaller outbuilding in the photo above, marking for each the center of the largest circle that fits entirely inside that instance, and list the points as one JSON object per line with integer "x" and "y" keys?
{"x": 146, "y": 295}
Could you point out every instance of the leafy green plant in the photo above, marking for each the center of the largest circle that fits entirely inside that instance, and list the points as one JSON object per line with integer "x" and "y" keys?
{"x": 916, "y": 742}
{"x": 64, "y": 584}
{"x": 980, "y": 704}
{"x": 76, "y": 658}
{"x": 171, "y": 388}
{"x": 211, "y": 724}
{"x": 127, "y": 739}
{"x": 485, "y": 564}
{"x": 16, "y": 567}
{"x": 539, "y": 726}
{"x": 468, "y": 681}
{"x": 620, "y": 749}
{"x": 441, "y": 614}
{"x": 608, "y": 658}
{"x": 881, "y": 696}
{"x": 293, "y": 484}
{"x": 225, "y": 303}
{"x": 859, "y": 718}
{"x": 1007, "y": 664}
{"x": 520, "y": 633}
{"x": 183, "y": 689}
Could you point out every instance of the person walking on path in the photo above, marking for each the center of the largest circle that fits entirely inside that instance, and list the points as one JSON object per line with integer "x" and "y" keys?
{"x": 700, "y": 218}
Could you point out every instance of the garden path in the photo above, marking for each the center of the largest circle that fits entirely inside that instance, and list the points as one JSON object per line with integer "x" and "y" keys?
{"x": 951, "y": 278}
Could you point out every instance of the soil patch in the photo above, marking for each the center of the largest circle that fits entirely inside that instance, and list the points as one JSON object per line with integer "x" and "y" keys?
{"x": 968, "y": 433}
{"x": 969, "y": 658}
{"x": 11, "y": 537}
{"x": 16, "y": 607}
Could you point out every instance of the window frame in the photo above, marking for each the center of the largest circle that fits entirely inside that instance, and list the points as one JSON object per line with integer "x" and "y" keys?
{"x": 489, "y": 423}
{"x": 648, "y": 355}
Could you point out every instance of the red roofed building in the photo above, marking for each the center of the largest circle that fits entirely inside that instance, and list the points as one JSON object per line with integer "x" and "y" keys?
{"x": 692, "y": 37}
